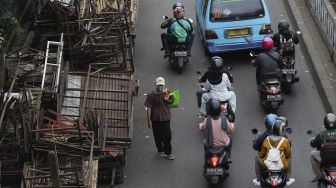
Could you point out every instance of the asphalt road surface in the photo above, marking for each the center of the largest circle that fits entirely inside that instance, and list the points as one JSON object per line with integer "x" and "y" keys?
{"x": 302, "y": 107}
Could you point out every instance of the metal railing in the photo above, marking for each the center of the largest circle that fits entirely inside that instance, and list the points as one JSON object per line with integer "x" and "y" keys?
{"x": 324, "y": 15}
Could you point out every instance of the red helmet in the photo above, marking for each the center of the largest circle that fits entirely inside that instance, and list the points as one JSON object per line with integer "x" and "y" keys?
{"x": 267, "y": 43}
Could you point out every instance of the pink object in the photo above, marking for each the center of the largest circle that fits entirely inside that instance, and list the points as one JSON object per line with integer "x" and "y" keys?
{"x": 267, "y": 43}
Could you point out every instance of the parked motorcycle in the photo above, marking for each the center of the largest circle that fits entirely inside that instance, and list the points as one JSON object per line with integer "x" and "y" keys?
{"x": 328, "y": 172}
{"x": 270, "y": 91}
{"x": 178, "y": 55}
{"x": 225, "y": 105}
{"x": 272, "y": 178}
{"x": 216, "y": 165}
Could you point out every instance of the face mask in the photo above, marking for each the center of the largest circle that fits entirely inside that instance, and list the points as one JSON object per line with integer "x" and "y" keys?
{"x": 159, "y": 88}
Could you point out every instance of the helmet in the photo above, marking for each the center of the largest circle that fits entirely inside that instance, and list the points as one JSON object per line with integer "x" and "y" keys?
{"x": 278, "y": 127}
{"x": 269, "y": 120}
{"x": 285, "y": 120}
{"x": 330, "y": 121}
{"x": 178, "y": 4}
{"x": 214, "y": 107}
{"x": 283, "y": 27}
{"x": 216, "y": 63}
{"x": 178, "y": 12}
{"x": 267, "y": 43}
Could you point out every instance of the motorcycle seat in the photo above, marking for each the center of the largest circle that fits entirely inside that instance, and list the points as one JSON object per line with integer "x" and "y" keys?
{"x": 330, "y": 167}
{"x": 271, "y": 80}
{"x": 216, "y": 151}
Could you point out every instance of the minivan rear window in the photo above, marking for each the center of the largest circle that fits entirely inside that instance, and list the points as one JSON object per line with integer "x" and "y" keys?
{"x": 235, "y": 10}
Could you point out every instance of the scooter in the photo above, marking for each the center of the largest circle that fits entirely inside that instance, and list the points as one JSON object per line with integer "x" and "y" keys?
{"x": 328, "y": 173}
{"x": 216, "y": 165}
{"x": 226, "y": 108}
{"x": 272, "y": 178}
{"x": 178, "y": 55}
{"x": 270, "y": 91}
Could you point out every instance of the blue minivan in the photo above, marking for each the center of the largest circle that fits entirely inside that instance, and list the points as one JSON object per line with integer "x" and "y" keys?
{"x": 231, "y": 25}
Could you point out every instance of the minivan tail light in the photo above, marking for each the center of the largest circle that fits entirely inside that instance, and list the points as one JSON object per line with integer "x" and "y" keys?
{"x": 214, "y": 160}
{"x": 210, "y": 34}
{"x": 266, "y": 29}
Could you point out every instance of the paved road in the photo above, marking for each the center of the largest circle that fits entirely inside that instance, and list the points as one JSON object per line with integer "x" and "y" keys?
{"x": 302, "y": 107}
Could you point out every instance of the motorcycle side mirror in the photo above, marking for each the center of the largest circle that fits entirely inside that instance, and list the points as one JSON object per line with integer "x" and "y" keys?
{"x": 289, "y": 130}
{"x": 229, "y": 68}
{"x": 165, "y": 17}
{"x": 198, "y": 72}
{"x": 191, "y": 21}
{"x": 252, "y": 54}
{"x": 298, "y": 32}
{"x": 255, "y": 131}
{"x": 309, "y": 132}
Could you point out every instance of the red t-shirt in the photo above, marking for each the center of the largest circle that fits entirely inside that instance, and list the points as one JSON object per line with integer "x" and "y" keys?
{"x": 160, "y": 107}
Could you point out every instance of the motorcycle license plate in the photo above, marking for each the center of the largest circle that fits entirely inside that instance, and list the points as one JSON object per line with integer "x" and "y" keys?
{"x": 288, "y": 71}
{"x": 214, "y": 171}
{"x": 274, "y": 97}
{"x": 180, "y": 53}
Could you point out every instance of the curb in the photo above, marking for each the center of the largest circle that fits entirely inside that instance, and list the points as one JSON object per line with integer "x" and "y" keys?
{"x": 320, "y": 76}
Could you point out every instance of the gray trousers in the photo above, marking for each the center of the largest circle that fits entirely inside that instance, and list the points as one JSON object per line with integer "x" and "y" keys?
{"x": 230, "y": 95}
{"x": 315, "y": 160}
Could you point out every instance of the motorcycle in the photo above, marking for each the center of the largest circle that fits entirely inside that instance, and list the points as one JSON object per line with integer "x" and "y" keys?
{"x": 288, "y": 73}
{"x": 178, "y": 55}
{"x": 328, "y": 173}
{"x": 270, "y": 91}
{"x": 272, "y": 178}
{"x": 216, "y": 165}
{"x": 226, "y": 108}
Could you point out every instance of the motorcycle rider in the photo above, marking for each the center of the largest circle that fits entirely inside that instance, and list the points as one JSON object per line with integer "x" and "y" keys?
{"x": 268, "y": 120}
{"x": 278, "y": 128}
{"x": 217, "y": 128}
{"x": 285, "y": 40}
{"x": 179, "y": 30}
{"x": 267, "y": 63}
{"x": 216, "y": 85}
{"x": 322, "y": 154}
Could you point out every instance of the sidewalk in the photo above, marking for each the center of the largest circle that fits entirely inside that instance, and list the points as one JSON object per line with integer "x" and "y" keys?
{"x": 316, "y": 53}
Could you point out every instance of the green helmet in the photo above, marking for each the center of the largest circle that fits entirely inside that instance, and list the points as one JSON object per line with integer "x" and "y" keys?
{"x": 216, "y": 63}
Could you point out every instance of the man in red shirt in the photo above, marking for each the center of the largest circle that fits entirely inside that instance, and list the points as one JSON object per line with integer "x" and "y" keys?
{"x": 158, "y": 115}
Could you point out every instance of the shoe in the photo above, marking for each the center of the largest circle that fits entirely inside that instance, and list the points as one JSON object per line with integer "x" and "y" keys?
{"x": 161, "y": 154}
{"x": 290, "y": 181}
{"x": 167, "y": 54}
{"x": 162, "y": 49}
{"x": 229, "y": 161}
{"x": 188, "y": 54}
{"x": 169, "y": 157}
{"x": 315, "y": 180}
{"x": 256, "y": 182}
{"x": 200, "y": 115}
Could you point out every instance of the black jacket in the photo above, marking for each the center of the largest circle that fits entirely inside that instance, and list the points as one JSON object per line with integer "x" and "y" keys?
{"x": 292, "y": 35}
{"x": 215, "y": 77}
{"x": 268, "y": 64}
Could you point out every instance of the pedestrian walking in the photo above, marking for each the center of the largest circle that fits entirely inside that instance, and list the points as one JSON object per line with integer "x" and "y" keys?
{"x": 158, "y": 115}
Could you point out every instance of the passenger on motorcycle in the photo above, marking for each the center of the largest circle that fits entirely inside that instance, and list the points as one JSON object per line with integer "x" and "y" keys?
{"x": 276, "y": 140}
{"x": 217, "y": 128}
{"x": 179, "y": 30}
{"x": 285, "y": 40}
{"x": 268, "y": 63}
{"x": 323, "y": 154}
{"x": 216, "y": 86}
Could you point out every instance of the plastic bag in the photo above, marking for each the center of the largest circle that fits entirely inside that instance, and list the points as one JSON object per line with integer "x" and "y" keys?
{"x": 176, "y": 99}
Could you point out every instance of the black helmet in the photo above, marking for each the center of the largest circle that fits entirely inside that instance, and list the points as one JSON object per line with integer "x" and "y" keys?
{"x": 285, "y": 120}
{"x": 283, "y": 27}
{"x": 214, "y": 107}
{"x": 330, "y": 121}
{"x": 278, "y": 127}
{"x": 216, "y": 63}
{"x": 178, "y": 4}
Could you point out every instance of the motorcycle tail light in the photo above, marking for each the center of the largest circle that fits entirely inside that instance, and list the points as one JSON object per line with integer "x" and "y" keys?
{"x": 214, "y": 160}
{"x": 210, "y": 34}
{"x": 266, "y": 29}
{"x": 274, "y": 182}
{"x": 333, "y": 174}
{"x": 288, "y": 61}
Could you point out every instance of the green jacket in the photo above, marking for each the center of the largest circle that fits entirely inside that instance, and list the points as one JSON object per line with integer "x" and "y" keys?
{"x": 318, "y": 140}
{"x": 175, "y": 28}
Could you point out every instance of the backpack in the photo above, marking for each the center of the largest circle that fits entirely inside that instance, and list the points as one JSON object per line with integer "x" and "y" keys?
{"x": 273, "y": 160}
{"x": 328, "y": 149}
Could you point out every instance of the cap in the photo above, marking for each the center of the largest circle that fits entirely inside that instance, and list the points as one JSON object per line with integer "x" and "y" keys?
{"x": 160, "y": 81}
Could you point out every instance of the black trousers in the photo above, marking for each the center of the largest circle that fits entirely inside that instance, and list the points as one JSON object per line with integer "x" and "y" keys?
{"x": 162, "y": 136}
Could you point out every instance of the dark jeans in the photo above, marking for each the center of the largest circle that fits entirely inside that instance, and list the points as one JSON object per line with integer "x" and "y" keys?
{"x": 162, "y": 136}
